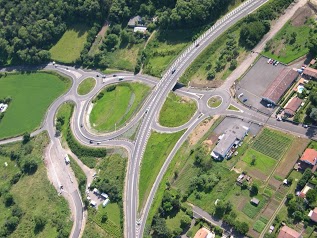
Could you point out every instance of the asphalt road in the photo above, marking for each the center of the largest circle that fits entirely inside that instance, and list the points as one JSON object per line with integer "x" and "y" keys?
{"x": 147, "y": 115}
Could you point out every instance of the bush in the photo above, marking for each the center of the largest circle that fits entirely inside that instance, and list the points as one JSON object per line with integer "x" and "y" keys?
{"x": 8, "y": 200}
{"x": 29, "y": 165}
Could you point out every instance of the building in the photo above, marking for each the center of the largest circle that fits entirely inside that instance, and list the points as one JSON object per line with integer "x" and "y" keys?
{"x": 292, "y": 106}
{"x": 279, "y": 86}
{"x": 287, "y": 232}
{"x": 104, "y": 195}
{"x": 135, "y": 21}
{"x": 255, "y": 201}
{"x": 141, "y": 29}
{"x": 243, "y": 177}
{"x": 304, "y": 191}
{"x": 310, "y": 73}
{"x": 204, "y": 233}
{"x": 231, "y": 138}
{"x": 309, "y": 157}
{"x": 313, "y": 214}
{"x": 105, "y": 202}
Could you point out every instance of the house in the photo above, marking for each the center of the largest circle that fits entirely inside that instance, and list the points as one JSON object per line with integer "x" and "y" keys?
{"x": 279, "y": 86}
{"x": 141, "y": 29}
{"x": 93, "y": 203}
{"x": 231, "y": 138}
{"x": 313, "y": 214}
{"x": 304, "y": 191}
{"x": 105, "y": 202}
{"x": 104, "y": 195}
{"x": 204, "y": 233}
{"x": 309, "y": 159}
{"x": 243, "y": 177}
{"x": 310, "y": 73}
{"x": 255, "y": 201}
{"x": 96, "y": 191}
{"x": 292, "y": 106}
{"x": 135, "y": 21}
{"x": 287, "y": 232}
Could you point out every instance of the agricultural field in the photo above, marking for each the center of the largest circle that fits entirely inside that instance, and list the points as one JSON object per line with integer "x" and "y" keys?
{"x": 68, "y": 48}
{"x": 251, "y": 210}
{"x": 260, "y": 224}
{"x": 176, "y": 110}
{"x": 31, "y": 94}
{"x": 158, "y": 148}
{"x": 86, "y": 86}
{"x": 164, "y": 47}
{"x": 290, "y": 42}
{"x": 272, "y": 143}
{"x": 23, "y": 206}
{"x": 116, "y": 104}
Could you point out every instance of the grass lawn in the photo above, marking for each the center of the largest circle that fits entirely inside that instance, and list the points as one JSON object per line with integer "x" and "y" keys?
{"x": 272, "y": 143}
{"x": 32, "y": 94}
{"x": 33, "y": 193}
{"x": 233, "y": 108}
{"x": 251, "y": 210}
{"x": 192, "y": 231}
{"x": 158, "y": 148}
{"x": 175, "y": 221}
{"x": 290, "y": 42}
{"x": 176, "y": 111}
{"x": 68, "y": 48}
{"x": 116, "y": 107}
{"x": 86, "y": 86}
{"x": 164, "y": 47}
{"x": 262, "y": 163}
{"x": 214, "y": 102}
{"x": 260, "y": 224}
{"x": 65, "y": 111}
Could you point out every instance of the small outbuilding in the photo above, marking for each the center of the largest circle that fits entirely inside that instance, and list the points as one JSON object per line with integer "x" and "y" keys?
{"x": 135, "y": 21}
{"x": 141, "y": 29}
{"x": 313, "y": 215}
{"x": 105, "y": 202}
{"x": 104, "y": 195}
{"x": 255, "y": 201}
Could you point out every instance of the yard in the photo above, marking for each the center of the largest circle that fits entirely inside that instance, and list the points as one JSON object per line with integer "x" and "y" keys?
{"x": 29, "y": 204}
{"x": 32, "y": 94}
{"x": 158, "y": 148}
{"x": 68, "y": 48}
{"x": 251, "y": 210}
{"x": 290, "y": 42}
{"x": 86, "y": 86}
{"x": 176, "y": 110}
{"x": 116, "y": 104}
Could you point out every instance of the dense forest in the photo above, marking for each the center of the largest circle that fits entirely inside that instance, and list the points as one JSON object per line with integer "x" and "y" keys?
{"x": 28, "y": 29}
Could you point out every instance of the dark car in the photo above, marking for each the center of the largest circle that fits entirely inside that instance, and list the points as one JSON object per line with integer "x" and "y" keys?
{"x": 114, "y": 75}
{"x": 91, "y": 142}
{"x": 197, "y": 45}
{"x": 173, "y": 71}
{"x": 245, "y": 99}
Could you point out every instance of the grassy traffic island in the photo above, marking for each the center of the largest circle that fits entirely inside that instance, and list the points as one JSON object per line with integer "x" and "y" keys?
{"x": 176, "y": 110}
{"x": 31, "y": 94}
{"x": 86, "y": 86}
{"x": 116, "y": 104}
{"x": 215, "y": 101}
{"x": 29, "y": 204}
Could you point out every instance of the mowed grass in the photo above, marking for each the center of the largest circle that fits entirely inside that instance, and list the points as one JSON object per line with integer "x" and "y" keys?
{"x": 116, "y": 107}
{"x": 260, "y": 224}
{"x": 69, "y": 46}
{"x": 32, "y": 94}
{"x": 285, "y": 49}
{"x": 158, "y": 148}
{"x": 86, "y": 86}
{"x": 33, "y": 194}
{"x": 262, "y": 162}
{"x": 214, "y": 102}
{"x": 176, "y": 111}
{"x": 251, "y": 210}
{"x": 233, "y": 108}
{"x": 271, "y": 143}
{"x": 175, "y": 221}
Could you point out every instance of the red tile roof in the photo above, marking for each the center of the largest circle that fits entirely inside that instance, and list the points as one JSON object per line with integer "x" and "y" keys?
{"x": 309, "y": 156}
{"x": 287, "y": 232}
{"x": 293, "y": 105}
{"x": 313, "y": 216}
{"x": 201, "y": 233}
{"x": 310, "y": 72}
{"x": 278, "y": 87}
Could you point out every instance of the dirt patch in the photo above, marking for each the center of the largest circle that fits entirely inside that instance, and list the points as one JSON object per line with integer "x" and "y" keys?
{"x": 253, "y": 233}
{"x": 206, "y": 83}
{"x": 103, "y": 30}
{"x": 274, "y": 183}
{"x": 241, "y": 202}
{"x": 186, "y": 99}
{"x": 208, "y": 145}
{"x": 301, "y": 15}
{"x": 292, "y": 155}
{"x": 201, "y": 129}
{"x": 270, "y": 209}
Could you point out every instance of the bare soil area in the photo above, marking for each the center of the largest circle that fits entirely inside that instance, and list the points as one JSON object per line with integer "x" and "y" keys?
{"x": 301, "y": 15}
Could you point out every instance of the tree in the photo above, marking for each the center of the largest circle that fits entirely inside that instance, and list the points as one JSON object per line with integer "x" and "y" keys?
{"x": 253, "y": 160}
{"x": 298, "y": 216}
{"x": 40, "y": 223}
{"x": 29, "y": 165}
{"x": 26, "y": 138}
{"x": 251, "y": 33}
{"x": 242, "y": 227}
{"x": 11, "y": 223}
{"x": 313, "y": 114}
{"x": 233, "y": 64}
{"x": 185, "y": 221}
{"x": 211, "y": 74}
{"x": 311, "y": 196}
{"x": 111, "y": 41}
{"x": 104, "y": 217}
{"x": 8, "y": 200}
{"x": 254, "y": 189}
{"x": 289, "y": 197}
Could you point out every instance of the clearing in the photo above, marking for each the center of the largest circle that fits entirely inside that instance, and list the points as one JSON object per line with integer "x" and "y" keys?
{"x": 32, "y": 94}
{"x": 68, "y": 48}
{"x": 116, "y": 104}
{"x": 176, "y": 110}
{"x": 86, "y": 86}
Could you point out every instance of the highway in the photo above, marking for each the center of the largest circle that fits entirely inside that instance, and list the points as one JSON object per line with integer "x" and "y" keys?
{"x": 147, "y": 116}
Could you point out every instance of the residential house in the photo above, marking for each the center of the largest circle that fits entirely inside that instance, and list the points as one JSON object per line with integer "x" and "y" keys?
{"x": 310, "y": 73}
{"x": 287, "y": 232}
{"x": 204, "y": 233}
{"x": 243, "y": 177}
{"x": 135, "y": 21}
{"x": 309, "y": 159}
{"x": 313, "y": 214}
{"x": 292, "y": 106}
{"x": 230, "y": 139}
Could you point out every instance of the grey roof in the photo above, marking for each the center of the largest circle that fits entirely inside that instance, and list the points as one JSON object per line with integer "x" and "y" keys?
{"x": 232, "y": 134}
{"x": 133, "y": 21}
{"x": 255, "y": 200}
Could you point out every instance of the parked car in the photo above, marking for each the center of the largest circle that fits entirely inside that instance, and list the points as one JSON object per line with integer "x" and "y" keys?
{"x": 269, "y": 61}
{"x": 245, "y": 99}
{"x": 173, "y": 71}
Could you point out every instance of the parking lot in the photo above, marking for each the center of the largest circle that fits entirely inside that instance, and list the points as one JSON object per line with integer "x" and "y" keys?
{"x": 255, "y": 82}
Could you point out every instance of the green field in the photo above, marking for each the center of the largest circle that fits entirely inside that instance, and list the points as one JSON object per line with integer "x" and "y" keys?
{"x": 116, "y": 107}
{"x": 252, "y": 211}
{"x": 176, "y": 111}
{"x": 260, "y": 224}
{"x": 32, "y": 193}
{"x": 32, "y": 94}
{"x": 214, "y": 102}
{"x": 158, "y": 148}
{"x": 290, "y": 42}
{"x": 69, "y": 46}
{"x": 65, "y": 111}
{"x": 262, "y": 162}
{"x": 175, "y": 221}
{"x": 164, "y": 47}
{"x": 86, "y": 86}
{"x": 271, "y": 143}
{"x": 233, "y": 108}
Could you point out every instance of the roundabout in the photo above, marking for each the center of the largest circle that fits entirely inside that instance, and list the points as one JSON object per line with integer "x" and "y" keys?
{"x": 215, "y": 102}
